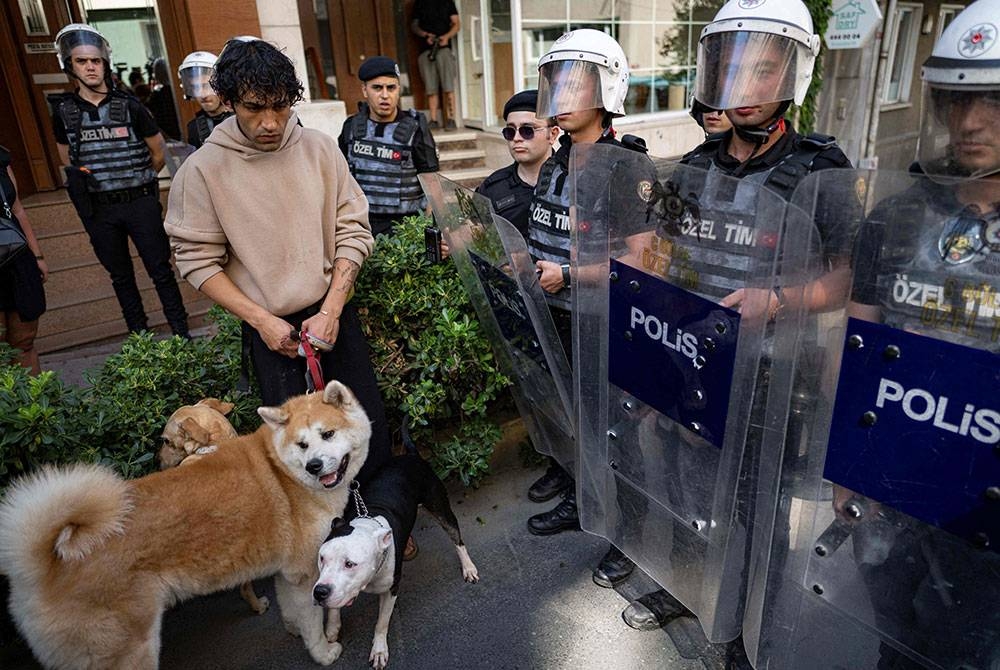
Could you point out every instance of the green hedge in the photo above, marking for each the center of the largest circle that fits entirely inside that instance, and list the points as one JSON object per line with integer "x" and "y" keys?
{"x": 430, "y": 357}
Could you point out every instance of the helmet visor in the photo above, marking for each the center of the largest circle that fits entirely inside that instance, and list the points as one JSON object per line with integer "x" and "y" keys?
{"x": 958, "y": 131}
{"x": 745, "y": 69}
{"x": 194, "y": 81}
{"x": 78, "y": 38}
{"x": 566, "y": 86}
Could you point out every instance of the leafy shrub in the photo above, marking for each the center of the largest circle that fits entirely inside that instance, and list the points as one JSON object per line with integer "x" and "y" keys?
{"x": 431, "y": 358}
{"x": 433, "y": 362}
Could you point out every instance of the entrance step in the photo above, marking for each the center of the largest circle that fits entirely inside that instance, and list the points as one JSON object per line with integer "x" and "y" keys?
{"x": 82, "y": 308}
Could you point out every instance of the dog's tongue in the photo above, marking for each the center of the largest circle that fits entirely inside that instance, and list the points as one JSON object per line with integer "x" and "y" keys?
{"x": 330, "y": 479}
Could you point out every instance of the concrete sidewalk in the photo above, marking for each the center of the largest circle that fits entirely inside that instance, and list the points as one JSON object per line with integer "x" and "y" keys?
{"x": 535, "y": 606}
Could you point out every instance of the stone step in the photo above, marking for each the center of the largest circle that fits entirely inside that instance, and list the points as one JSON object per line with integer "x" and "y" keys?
{"x": 462, "y": 158}
{"x": 448, "y": 140}
{"x": 67, "y": 250}
{"x": 81, "y": 283}
{"x": 467, "y": 177}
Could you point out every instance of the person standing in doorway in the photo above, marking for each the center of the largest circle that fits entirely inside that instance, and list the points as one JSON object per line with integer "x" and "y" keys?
{"x": 435, "y": 22}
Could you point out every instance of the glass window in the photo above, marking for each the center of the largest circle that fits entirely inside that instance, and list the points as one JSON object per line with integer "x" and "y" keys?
{"x": 34, "y": 17}
{"x": 902, "y": 49}
{"x": 660, "y": 39}
{"x": 946, "y": 15}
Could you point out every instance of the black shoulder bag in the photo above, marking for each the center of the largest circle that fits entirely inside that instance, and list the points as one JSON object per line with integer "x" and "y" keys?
{"x": 12, "y": 240}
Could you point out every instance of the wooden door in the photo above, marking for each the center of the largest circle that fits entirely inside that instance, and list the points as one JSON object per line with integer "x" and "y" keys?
{"x": 359, "y": 29}
{"x": 30, "y": 68}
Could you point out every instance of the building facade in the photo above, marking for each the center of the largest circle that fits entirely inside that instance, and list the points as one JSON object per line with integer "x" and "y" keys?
{"x": 870, "y": 99}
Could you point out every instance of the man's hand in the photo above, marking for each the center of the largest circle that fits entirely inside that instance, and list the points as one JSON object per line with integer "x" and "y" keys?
{"x": 443, "y": 41}
{"x": 277, "y": 335}
{"x": 550, "y": 276}
{"x": 444, "y": 249}
{"x": 753, "y": 303}
{"x": 324, "y": 326}
{"x": 431, "y": 39}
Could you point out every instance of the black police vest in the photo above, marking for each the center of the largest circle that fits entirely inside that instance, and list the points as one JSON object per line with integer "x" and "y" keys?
{"x": 716, "y": 251}
{"x": 929, "y": 279}
{"x": 107, "y": 146}
{"x": 383, "y": 166}
{"x": 205, "y": 124}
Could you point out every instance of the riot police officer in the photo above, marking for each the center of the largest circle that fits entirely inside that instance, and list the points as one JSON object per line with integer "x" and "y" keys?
{"x": 387, "y": 147}
{"x": 529, "y": 140}
{"x": 195, "y": 72}
{"x": 112, "y": 150}
{"x": 933, "y": 593}
{"x": 754, "y": 61}
{"x": 583, "y": 80}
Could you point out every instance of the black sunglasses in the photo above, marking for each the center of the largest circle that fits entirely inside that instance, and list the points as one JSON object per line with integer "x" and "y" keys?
{"x": 527, "y": 132}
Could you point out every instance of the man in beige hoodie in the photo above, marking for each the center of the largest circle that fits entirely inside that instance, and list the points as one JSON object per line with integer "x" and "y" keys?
{"x": 267, "y": 221}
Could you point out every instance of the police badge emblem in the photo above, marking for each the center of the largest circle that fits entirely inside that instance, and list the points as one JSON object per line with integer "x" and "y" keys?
{"x": 961, "y": 239}
{"x": 645, "y": 190}
{"x": 992, "y": 234}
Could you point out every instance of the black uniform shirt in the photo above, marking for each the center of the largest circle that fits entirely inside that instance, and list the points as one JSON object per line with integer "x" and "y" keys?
{"x": 510, "y": 195}
{"x": 142, "y": 120}
{"x": 194, "y": 138}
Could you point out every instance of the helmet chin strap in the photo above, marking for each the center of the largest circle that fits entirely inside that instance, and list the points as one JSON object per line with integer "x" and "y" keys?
{"x": 759, "y": 136}
{"x": 108, "y": 83}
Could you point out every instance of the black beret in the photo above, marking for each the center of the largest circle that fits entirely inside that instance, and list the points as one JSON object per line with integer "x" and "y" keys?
{"x": 378, "y": 66}
{"x": 525, "y": 101}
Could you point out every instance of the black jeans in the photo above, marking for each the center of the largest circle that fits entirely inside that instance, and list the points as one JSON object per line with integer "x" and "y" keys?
{"x": 110, "y": 229}
{"x": 281, "y": 377}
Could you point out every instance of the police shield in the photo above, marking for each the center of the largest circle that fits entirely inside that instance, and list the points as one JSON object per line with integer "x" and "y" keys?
{"x": 176, "y": 153}
{"x": 879, "y": 547}
{"x": 491, "y": 258}
{"x": 673, "y": 303}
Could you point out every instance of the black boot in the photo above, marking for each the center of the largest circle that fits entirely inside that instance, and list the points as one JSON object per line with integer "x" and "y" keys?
{"x": 653, "y": 611}
{"x": 562, "y": 517}
{"x": 614, "y": 568}
{"x": 552, "y": 483}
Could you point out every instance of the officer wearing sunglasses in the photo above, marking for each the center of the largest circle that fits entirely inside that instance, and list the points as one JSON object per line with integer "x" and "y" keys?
{"x": 529, "y": 140}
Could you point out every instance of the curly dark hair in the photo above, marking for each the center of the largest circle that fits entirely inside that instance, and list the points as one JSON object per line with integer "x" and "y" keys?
{"x": 256, "y": 68}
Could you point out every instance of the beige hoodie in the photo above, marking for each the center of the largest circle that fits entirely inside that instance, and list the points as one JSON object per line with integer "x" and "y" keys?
{"x": 273, "y": 221}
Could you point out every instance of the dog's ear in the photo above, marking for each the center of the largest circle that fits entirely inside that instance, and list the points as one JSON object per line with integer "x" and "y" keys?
{"x": 337, "y": 394}
{"x": 384, "y": 538}
{"x": 274, "y": 417}
{"x": 196, "y": 431}
{"x": 339, "y": 528}
{"x": 219, "y": 406}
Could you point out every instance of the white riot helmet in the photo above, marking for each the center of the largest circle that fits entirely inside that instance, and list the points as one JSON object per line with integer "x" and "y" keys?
{"x": 756, "y": 52}
{"x": 80, "y": 34}
{"x": 584, "y": 69}
{"x": 195, "y": 72}
{"x": 960, "y": 123}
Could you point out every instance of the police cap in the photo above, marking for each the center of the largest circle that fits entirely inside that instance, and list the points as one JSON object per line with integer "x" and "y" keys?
{"x": 525, "y": 101}
{"x": 378, "y": 66}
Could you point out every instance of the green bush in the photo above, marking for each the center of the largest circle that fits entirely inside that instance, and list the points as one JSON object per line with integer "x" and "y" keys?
{"x": 433, "y": 362}
{"x": 431, "y": 359}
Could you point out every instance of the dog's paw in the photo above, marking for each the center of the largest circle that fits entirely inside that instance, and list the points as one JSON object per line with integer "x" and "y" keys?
{"x": 262, "y": 604}
{"x": 471, "y": 575}
{"x": 208, "y": 449}
{"x": 325, "y": 652}
{"x": 379, "y": 657}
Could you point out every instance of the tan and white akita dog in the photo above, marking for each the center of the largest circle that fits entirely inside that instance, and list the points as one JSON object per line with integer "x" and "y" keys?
{"x": 94, "y": 560}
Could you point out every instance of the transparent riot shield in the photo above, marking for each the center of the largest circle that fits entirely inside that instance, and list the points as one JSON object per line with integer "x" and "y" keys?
{"x": 878, "y": 546}
{"x": 175, "y": 155}
{"x": 491, "y": 258}
{"x": 673, "y": 290}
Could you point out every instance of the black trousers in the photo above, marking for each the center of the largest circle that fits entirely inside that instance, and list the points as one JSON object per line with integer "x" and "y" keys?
{"x": 281, "y": 377}
{"x": 141, "y": 220}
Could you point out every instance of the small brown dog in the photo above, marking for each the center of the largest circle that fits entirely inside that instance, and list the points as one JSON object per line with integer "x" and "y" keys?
{"x": 192, "y": 432}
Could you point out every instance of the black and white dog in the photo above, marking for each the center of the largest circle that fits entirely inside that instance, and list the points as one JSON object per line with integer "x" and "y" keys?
{"x": 365, "y": 554}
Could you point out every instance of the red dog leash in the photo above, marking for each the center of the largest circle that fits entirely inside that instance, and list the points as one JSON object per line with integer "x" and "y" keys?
{"x": 314, "y": 372}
